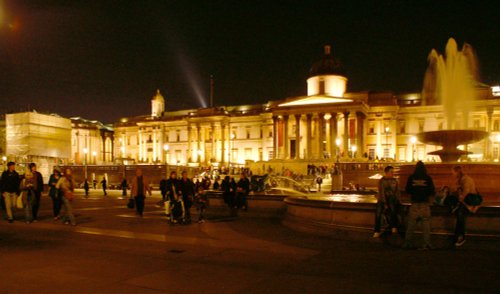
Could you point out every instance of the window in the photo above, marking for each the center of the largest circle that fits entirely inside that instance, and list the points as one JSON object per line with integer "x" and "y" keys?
{"x": 476, "y": 124}
{"x": 440, "y": 126}
{"x": 496, "y": 125}
{"x": 402, "y": 127}
{"x": 178, "y": 135}
{"x": 371, "y": 128}
{"x": 248, "y": 133}
{"x": 270, "y": 134}
{"x": 421, "y": 125}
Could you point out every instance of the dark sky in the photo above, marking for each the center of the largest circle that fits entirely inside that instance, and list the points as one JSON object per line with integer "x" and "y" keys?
{"x": 105, "y": 59}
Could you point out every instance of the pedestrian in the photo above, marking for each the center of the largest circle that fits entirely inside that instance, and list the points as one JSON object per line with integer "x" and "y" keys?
{"x": 466, "y": 192}
{"x": 174, "y": 196}
{"x": 67, "y": 186}
{"x": 163, "y": 189}
{"x": 242, "y": 190}
{"x": 94, "y": 183}
{"x": 104, "y": 184}
{"x": 37, "y": 190}
{"x": 124, "y": 186}
{"x": 188, "y": 191}
{"x": 55, "y": 193}
{"x": 319, "y": 181}
{"x": 388, "y": 201}
{"x": 140, "y": 187}
{"x": 420, "y": 187}
{"x": 216, "y": 185}
{"x": 201, "y": 204}
{"x": 10, "y": 189}
{"x": 28, "y": 195}
{"x": 86, "y": 188}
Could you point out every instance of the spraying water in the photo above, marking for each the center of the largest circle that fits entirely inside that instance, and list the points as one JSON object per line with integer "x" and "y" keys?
{"x": 450, "y": 80}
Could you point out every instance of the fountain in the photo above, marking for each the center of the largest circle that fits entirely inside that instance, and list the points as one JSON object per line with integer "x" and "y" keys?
{"x": 450, "y": 81}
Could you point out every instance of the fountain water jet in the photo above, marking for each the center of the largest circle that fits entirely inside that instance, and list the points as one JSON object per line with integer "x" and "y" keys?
{"x": 450, "y": 81}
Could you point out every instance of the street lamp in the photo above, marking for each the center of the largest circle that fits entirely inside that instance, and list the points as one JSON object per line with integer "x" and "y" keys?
{"x": 231, "y": 150}
{"x": 413, "y": 140}
{"x": 338, "y": 141}
{"x": 353, "y": 149}
{"x": 94, "y": 154}
{"x": 166, "y": 148}
{"x": 199, "y": 155}
{"x": 85, "y": 151}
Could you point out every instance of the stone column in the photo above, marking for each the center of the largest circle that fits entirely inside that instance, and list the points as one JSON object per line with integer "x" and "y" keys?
{"x": 286, "y": 145}
{"x": 321, "y": 131}
{"x": 198, "y": 142}
{"x": 223, "y": 142}
{"x": 360, "y": 144}
{"x": 345, "y": 142}
{"x": 297, "y": 136}
{"x": 214, "y": 145}
{"x": 488, "y": 147}
{"x": 275, "y": 137}
{"x": 333, "y": 134}
{"x": 309, "y": 137}
{"x": 189, "y": 153}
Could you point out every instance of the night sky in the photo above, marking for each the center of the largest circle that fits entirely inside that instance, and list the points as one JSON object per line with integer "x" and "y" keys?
{"x": 105, "y": 59}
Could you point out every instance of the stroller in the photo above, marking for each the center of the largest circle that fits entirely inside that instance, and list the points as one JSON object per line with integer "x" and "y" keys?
{"x": 177, "y": 212}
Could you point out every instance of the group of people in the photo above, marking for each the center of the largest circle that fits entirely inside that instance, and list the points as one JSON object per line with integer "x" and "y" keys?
{"x": 179, "y": 195}
{"x": 24, "y": 192}
{"x": 235, "y": 194}
{"x": 462, "y": 199}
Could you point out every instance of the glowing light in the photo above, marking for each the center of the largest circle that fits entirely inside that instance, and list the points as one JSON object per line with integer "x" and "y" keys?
{"x": 4, "y": 158}
{"x": 312, "y": 100}
{"x": 495, "y": 90}
{"x": 94, "y": 153}
{"x": 413, "y": 139}
{"x": 354, "y": 148}
{"x": 338, "y": 141}
{"x": 166, "y": 147}
{"x": 85, "y": 150}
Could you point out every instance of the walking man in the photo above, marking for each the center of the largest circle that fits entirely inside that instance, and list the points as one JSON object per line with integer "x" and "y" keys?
{"x": 10, "y": 189}
{"x": 37, "y": 190}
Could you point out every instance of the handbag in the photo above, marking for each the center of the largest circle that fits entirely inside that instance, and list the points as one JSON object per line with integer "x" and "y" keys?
{"x": 131, "y": 203}
{"x": 69, "y": 195}
{"x": 19, "y": 202}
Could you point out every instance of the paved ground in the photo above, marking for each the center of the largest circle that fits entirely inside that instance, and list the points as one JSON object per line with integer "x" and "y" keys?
{"x": 112, "y": 251}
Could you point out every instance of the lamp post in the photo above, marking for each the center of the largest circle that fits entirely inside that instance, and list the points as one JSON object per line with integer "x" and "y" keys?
{"x": 413, "y": 140}
{"x": 94, "y": 159}
{"x": 353, "y": 150}
{"x": 85, "y": 151}
{"x": 231, "y": 150}
{"x": 4, "y": 161}
{"x": 338, "y": 141}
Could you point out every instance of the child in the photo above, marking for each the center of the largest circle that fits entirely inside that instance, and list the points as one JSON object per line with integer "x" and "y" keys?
{"x": 201, "y": 203}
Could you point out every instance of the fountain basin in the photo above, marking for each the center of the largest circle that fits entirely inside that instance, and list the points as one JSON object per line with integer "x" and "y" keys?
{"x": 450, "y": 140}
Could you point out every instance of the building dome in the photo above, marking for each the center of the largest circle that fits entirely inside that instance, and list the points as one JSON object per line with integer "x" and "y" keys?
{"x": 327, "y": 65}
{"x": 157, "y": 104}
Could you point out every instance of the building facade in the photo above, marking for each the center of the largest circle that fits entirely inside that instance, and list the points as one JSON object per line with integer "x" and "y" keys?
{"x": 326, "y": 123}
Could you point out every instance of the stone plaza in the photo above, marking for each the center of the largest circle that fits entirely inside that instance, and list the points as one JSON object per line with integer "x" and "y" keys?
{"x": 113, "y": 251}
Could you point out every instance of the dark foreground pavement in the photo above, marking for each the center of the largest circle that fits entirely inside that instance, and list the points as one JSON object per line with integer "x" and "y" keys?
{"x": 112, "y": 251}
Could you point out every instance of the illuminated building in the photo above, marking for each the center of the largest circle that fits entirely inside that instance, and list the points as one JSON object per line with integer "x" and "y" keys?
{"x": 91, "y": 142}
{"x": 35, "y": 137}
{"x": 327, "y": 123}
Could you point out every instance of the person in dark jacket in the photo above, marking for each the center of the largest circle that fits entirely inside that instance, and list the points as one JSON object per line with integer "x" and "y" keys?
{"x": 37, "y": 190}
{"x": 55, "y": 193}
{"x": 124, "y": 186}
{"x": 86, "y": 187}
{"x": 10, "y": 189}
{"x": 420, "y": 187}
{"x": 187, "y": 188}
{"x": 104, "y": 184}
{"x": 242, "y": 190}
{"x": 163, "y": 189}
